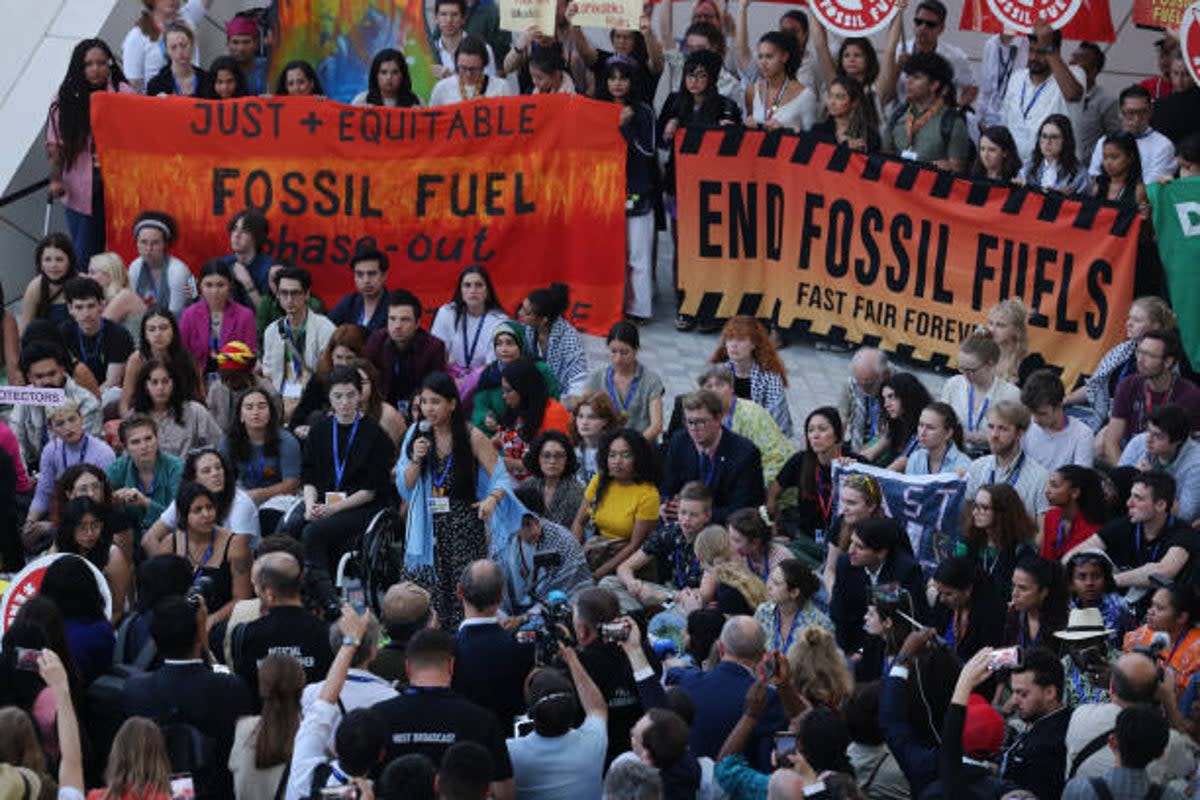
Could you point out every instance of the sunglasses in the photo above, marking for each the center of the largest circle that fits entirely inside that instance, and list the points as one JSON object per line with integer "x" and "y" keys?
{"x": 926, "y": 23}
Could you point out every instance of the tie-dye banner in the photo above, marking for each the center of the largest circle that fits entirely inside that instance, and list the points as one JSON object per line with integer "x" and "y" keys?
{"x": 532, "y": 188}
{"x": 340, "y": 37}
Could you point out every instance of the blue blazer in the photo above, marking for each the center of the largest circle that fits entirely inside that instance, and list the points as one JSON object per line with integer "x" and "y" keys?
{"x": 737, "y": 478}
{"x": 720, "y": 698}
{"x": 490, "y": 670}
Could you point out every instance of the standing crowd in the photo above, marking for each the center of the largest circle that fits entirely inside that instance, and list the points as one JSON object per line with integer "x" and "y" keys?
{"x": 312, "y": 547}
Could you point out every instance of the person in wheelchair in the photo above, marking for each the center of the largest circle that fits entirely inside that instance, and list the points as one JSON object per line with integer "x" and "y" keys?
{"x": 344, "y": 479}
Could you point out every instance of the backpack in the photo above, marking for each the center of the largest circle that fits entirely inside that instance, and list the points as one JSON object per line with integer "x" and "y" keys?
{"x": 950, "y": 115}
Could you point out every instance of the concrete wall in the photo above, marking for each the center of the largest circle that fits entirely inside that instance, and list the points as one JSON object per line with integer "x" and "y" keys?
{"x": 38, "y": 36}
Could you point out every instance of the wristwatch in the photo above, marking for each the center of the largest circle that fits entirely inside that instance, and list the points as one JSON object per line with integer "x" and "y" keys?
{"x": 350, "y": 641}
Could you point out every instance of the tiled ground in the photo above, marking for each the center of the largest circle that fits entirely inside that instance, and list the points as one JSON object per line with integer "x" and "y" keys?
{"x": 816, "y": 376}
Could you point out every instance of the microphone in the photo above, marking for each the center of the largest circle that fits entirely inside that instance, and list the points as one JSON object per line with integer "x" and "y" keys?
{"x": 424, "y": 431}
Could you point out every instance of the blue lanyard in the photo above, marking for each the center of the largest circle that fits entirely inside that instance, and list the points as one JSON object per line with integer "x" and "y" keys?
{"x": 82, "y": 452}
{"x": 973, "y": 422}
{"x": 469, "y": 353}
{"x": 1058, "y": 537}
{"x": 709, "y": 474}
{"x": 439, "y": 481}
{"x": 872, "y": 416}
{"x": 187, "y": 551}
{"x": 911, "y": 446}
{"x": 1137, "y": 534}
{"x": 339, "y": 464}
{"x": 1025, "y": 109}
{"x": 728, "y": 422}
{"x": 96, "y": 357}
{"x": 297, "y": 361}
{"x": 787, "y": 644}
{"x": 622, "y": 405}
{"x": 214, "y": 337}
{"x": 1014, "y": 475}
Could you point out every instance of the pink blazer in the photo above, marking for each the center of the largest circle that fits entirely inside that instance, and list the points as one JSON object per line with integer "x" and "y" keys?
{"x": 237, "y": 325}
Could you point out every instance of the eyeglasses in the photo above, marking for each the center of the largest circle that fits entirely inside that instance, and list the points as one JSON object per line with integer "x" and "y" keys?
{"x": 925, "y": 22}
{"x": 970, "y": 370}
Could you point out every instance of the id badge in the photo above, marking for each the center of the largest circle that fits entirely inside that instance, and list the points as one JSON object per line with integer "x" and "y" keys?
{"x": 334, "y": 497}
{"x": 439, "y": 505}
{"x": 292, "y": 390}
{"x": 909, "y": 155}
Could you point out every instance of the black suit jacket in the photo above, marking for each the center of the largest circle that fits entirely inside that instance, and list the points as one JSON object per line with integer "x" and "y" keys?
{"x": 290, "y": 630}
{"x": 490, "y": 670}
{"x": 737, "y": 480}
{"x": 192, "y": 693}
{"x": 852, "y": 594}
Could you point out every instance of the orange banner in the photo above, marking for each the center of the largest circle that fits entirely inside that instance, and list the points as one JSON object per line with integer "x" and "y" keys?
{"x": 883, "y": 251}
{"x": 532, "y": 188}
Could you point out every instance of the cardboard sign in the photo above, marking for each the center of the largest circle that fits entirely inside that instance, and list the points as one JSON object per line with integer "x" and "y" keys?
{"x": 618, "y": 14}
{"x": 31, "y": 396}
{"x": 519, "y": 16}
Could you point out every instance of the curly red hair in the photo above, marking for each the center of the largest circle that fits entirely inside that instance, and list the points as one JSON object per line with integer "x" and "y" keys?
{"x": 766, "y": 356}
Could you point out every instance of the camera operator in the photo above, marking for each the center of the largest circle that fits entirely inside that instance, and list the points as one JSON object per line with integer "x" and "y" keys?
{"x": 555, "y": 760}
{"x": 1135, "y": 679}
{"x": 491, "y": 666}
{"x": 607, "y": 665}
{"x": 1087, "y": 657}
{"x": 543, "y": 557}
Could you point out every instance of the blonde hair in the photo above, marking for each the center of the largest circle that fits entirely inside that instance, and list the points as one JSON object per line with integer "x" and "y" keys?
{"x": 137, "y": 762}
{"x": 819, "y": 670}
{"x": 111, "y": 264}
{"x": 19, "y": 745}
{"x": 1159, "y": 311}
{"x": 66, "y": 407}
{"x": 1016, "y": 313}
{"x": 713, "y": 548}
{"x": 981, "y": 344}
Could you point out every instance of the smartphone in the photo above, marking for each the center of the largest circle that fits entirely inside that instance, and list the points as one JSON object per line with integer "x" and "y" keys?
{"x": 785, "y": 744}
{"x": 354, "y": 594}
{"x": 768, "y": 668}
{"x": 522, "y": 726}
{"x": 614, "y": 632}
{"x": 1004, "y": 658}
{"x": 182, "y": 787}
{"x": 339, "y": 792}
{"x": 27, "y": 659}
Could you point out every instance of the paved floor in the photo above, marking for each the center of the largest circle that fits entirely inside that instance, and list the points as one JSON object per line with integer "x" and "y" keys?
{"x": 815, "y": 376}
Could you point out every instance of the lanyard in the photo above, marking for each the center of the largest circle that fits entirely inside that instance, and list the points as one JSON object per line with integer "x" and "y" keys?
{"x": 469, "y": 353}
{"x": 1137, "y": 537}
{"x": 911, "y": 446}
{"x": 623, "y": 405}
{"x": 728, "y": 422}
{"x": 1150, "y": 400}
{"x": 297, "y": 361}
{"x": 973, "y": 422}
{"x": 707, "y": 471}
{"x": 82, "y": 452}
{"x": 88, "y": 357}
{"x": 1014, "y": 475}
{"x": 1058, "y": 537}
{"x": 787, "y": 643}
{"x": 439, "y": 480}
{"x": 824, "y": 499}
{"x": 187, "y": 550}
{"x": 1006, "y": 68}
{"x": 1026, "y": 108}
{"x": 771, "y": 109}
{"x": 339, "y": 464}
{"x": 872, "y": 417}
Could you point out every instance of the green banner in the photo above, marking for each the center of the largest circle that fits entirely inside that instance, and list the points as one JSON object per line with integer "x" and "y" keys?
{"x": 1176, "y": 216}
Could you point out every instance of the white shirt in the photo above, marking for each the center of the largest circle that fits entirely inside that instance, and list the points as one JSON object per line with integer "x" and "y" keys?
{"x": 444, "y": 327}
{"x": 362, "y": 689}
{"x": 446, "y": 57}
{"x": 242, "y": 517}
{"x": 1029, "y": 483}
{"x": 1156, "y": 151}
{"x": 1000, "y": 61}
{"x": 1026, "y": 106}
{"x": 964, "y": 75}
{"x": 1053, "y": 449}
{"x": 958, "y": 394}
{"x": 446, "y": 91}
{"x": 141, "y": 58}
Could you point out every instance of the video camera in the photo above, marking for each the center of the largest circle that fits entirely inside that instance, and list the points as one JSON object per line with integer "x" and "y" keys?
{"x": 546, "y": 630}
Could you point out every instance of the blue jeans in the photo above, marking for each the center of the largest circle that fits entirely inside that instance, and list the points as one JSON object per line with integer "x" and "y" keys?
{"x": 87, "y": 230}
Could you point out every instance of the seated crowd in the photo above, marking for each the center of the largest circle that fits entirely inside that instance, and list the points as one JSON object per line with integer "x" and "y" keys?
{"x": 572, "y": 586}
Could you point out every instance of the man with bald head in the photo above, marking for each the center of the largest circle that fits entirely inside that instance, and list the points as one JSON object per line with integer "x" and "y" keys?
{"x": 719, "y": 695}
{"x": 491, "y": 666}
{"x": 861, "y": 405}
{"x": 285, "y": 627}
{"x": 1134, "y": 680}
